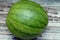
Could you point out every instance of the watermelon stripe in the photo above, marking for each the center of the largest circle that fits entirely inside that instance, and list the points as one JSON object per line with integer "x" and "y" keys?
{"x": 29, "y": 25}
{"x": 16, "y": 32}
{"x": 35, "y": 10}
{"x": 23, "y": 35}
{"x": 26, "y": 28}
{"x": 36, "y": 6}
{"x": 32, "y": 18}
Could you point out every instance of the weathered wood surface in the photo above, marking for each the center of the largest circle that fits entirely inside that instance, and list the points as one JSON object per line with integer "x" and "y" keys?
{"x": 51, "y": 33}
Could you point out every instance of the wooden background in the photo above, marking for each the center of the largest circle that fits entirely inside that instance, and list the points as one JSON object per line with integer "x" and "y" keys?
{"x": 53, "y": 29}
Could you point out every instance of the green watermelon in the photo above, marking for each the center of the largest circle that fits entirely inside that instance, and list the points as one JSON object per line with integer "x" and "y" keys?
{"x": 26, "y": 19}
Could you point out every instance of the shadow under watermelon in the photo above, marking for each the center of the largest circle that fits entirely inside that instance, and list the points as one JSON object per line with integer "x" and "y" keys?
{"x": 16, "y": 38}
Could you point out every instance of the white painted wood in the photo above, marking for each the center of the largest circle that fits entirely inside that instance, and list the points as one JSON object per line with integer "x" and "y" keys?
{"x": 52, "y": 31}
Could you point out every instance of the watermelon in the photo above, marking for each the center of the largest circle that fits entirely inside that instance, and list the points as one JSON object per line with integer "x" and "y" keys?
{"x": 26, "y": 19}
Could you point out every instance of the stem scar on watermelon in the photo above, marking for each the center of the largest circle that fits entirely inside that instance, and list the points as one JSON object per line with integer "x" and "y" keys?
{"x": 26, "y": 19}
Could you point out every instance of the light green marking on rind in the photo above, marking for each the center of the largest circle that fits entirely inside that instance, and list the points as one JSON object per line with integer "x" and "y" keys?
{"x": 33, "y": 14}
{"x": 28, "y": 7}
{"x": 34, "y": 24}
{"x": 25, "y": 28}
{"x": 34, "y": 4}
{"x": 22, "y": 34}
